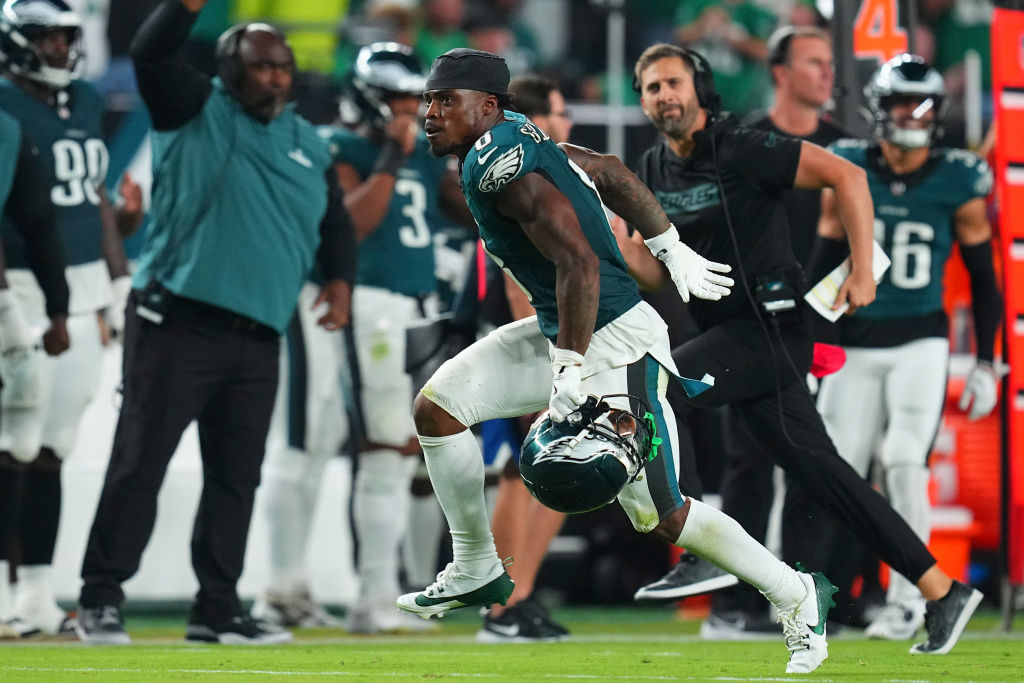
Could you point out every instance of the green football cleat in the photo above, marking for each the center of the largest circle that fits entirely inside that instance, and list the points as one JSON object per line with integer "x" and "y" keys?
{"x": 804, "y": 627}
{"x": 453, "y": 590}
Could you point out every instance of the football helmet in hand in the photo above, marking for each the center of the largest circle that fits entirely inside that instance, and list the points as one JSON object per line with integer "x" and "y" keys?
{"x": 579, "y": 467}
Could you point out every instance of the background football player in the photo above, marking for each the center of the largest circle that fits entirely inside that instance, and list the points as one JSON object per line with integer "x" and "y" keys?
{"x": 308, "y": 427}
{"x": 897, "y": 350}
{"x": 60, "y": 116}
{"x": 395, "y": 190}
{"x": 24, "y": 197}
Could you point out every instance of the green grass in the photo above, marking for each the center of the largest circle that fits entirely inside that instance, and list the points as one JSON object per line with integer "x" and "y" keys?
{"x": 606, "y": 644}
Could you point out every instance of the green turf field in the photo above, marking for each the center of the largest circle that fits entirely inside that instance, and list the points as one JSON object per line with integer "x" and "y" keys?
{"x": 606, "y": 644}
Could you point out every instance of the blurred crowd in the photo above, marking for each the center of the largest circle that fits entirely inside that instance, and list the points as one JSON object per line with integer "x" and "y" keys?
{"x": 563, "y": 39}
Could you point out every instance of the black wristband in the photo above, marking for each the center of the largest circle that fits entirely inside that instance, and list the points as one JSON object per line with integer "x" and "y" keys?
{"x": 391, "y": 158}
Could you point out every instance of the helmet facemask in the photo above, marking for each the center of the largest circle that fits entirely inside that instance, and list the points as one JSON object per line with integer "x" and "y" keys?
{"x": 22, "y": 23}
{"x": 382, "y": 72}
{"x": 903, "y": 79}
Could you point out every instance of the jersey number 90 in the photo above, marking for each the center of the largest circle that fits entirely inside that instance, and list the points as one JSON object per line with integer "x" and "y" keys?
{"x": 79, "y": 169}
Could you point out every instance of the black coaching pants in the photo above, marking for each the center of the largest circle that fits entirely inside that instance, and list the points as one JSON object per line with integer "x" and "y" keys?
{"x": 206, "y": 364}
{"x": 759, "y": 372}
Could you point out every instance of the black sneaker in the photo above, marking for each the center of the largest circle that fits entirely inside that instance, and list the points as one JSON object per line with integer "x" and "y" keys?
{"x": 691, "y": 576}
{"x": 101, "y": 626}
{"x": 738, "y": 625}
{"x": 534, "y": 608}
{"x": 519, "y": 624}
{"x": 240, "y": 630}
{"x": 945, "y": 619}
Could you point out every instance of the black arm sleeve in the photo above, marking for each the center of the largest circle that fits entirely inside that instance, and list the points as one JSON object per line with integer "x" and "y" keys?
{"x": 337, "y": 252}
{"x": 30, "y": 208}
{"x": 985, "y": 298}
{"x": 173, "y": 91}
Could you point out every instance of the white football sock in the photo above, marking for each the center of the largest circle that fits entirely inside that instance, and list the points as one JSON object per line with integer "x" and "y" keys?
{"x": 456, "y": 468}
{"x": 720, "y": 539}
{"x": 422, "y": 543}
{"x": 907, "y": 486}
{"x": 380, "y": 509}
{"x": 6, "y": 600}
{"x": 34, "y": 600}
{"x": 289, "y": 513}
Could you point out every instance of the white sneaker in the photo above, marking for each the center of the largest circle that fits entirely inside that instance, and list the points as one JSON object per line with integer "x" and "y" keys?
{"x": 896, "y": 622}
{"x": 43, "y": 614}
{"x": 454, "y": 589}
{"x": 804, "y": 627}
{"x": 370, "y": 619}
{"x": 292, "y": 609}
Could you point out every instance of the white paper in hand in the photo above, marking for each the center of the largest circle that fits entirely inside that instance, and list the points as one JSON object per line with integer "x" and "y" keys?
{"x": 822, "y": 295}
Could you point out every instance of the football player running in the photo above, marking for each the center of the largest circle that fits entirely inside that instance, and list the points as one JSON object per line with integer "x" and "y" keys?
{"x": 541, "y": 220}
{"x": 395, "y": 190}
{"x": 893, "y": 385}
{"x": 61, "y": 116}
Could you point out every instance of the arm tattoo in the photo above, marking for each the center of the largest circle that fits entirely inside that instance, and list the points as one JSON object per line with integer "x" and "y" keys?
{"x": 621, "y": 190}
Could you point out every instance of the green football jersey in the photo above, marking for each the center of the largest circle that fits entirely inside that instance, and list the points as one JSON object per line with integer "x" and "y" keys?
{"x": 399, "y": 254}
{"x": 10, "y": 144}
{"x": 72, "y": 153}
{"x": 509, "y": 151}
{"x": 914, "y": 223}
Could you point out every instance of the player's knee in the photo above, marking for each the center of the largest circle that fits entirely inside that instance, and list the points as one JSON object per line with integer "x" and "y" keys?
{"x": 902, "y": 448}
{"x": 669, "y": 528}
{"x": 432, "y": 420}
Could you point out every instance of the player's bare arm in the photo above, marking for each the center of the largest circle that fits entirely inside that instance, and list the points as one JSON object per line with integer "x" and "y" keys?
{"x": 819, "y": 168}
{"x": 113, "y": 245}
{"x": 621, "y": 190}
{"x": 970, "y": 223}
{"x": 650, "y": 273}
{"x": 367, "y": 200}
{"x": 547, "y": 218}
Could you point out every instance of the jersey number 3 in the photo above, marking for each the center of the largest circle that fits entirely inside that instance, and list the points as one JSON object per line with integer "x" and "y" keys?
{"x": 417, "y": 235}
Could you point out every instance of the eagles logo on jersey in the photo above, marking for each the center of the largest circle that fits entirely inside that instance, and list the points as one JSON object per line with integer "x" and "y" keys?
{"x": 579, "y": 467}
{"x": 503, "y": 169}
{"x": 510, "y": 150}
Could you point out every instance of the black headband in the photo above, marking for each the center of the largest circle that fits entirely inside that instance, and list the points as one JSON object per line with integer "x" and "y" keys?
{"x": 465, "y": 69}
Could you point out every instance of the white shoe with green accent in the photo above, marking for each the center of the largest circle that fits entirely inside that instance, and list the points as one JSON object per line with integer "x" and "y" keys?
{"x": 454, "y": 589}
{"x": 804, "y": 627}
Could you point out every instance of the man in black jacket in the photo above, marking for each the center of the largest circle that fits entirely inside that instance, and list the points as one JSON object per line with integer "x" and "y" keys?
{"x": 720, "y": 184}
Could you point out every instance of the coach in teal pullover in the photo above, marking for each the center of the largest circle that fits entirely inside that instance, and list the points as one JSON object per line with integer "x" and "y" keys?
{"x": 244, "y": 201}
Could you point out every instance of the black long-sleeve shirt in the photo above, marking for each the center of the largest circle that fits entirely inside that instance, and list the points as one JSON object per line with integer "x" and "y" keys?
{"x": 30, "y": 209}
{"x": 175, "y": 92}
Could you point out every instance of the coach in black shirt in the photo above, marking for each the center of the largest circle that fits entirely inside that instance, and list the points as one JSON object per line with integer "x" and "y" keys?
{"x": 721, "y": 186}
{"x": 801, "y": 62}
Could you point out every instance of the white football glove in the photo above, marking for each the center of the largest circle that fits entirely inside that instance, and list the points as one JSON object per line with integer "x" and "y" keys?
{"x": 122, "y": 287}
{"x": 21, "y": 369}
{"x": 566, "y": 394}
{"x": 980, "y": 390}
{"x": 691, "y": 273}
